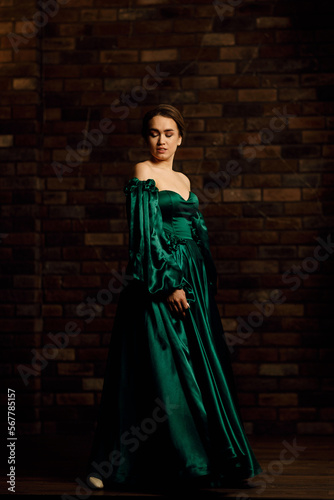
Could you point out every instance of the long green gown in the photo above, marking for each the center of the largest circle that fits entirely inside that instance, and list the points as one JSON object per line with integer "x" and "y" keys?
{"x": 169, "y": 409}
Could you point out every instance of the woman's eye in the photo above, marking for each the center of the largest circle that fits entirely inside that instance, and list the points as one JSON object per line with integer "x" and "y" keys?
{"x": 156, "y": 135}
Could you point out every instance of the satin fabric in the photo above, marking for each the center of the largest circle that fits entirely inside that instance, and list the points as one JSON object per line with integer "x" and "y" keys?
{"x": 169, "y": 408}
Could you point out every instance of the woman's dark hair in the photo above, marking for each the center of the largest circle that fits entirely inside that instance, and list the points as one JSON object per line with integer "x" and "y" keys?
{"x": 163, "y": 110}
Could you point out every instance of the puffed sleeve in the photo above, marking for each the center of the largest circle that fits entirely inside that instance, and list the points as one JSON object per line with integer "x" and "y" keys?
{"x": 150, "y": 259}
{"x": 201, "y": 236}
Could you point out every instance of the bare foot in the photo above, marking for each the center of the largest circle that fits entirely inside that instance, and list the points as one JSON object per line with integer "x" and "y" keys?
{"x": 96, "y": 482}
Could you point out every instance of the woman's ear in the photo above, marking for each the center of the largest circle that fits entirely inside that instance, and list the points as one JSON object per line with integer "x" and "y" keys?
{"x": 180, "y": 140}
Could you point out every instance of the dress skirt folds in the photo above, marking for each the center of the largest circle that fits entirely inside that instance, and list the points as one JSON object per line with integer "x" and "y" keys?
{"x": 169, "y": 408}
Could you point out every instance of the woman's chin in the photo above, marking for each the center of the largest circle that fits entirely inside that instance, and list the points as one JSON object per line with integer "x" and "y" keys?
{"x": 161, "y": 156}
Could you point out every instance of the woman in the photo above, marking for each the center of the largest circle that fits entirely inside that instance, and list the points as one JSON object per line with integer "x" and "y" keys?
{"x": 169, "y": 410}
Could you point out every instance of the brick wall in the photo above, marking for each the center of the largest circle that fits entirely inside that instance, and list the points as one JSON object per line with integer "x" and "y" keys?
{"x": 254, "y": 82}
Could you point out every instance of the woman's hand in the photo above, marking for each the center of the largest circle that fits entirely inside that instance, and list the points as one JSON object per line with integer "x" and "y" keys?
{"x": 177, "y": 302}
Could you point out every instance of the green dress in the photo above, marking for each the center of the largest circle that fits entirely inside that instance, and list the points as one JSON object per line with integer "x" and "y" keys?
{"x": 169, "y": 409}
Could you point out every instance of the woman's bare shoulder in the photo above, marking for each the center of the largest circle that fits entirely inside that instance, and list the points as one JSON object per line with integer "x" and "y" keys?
{"x": 141, "y": 170}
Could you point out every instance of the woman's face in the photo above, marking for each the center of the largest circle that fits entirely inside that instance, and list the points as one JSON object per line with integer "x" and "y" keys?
{"x": 163, "y": 138}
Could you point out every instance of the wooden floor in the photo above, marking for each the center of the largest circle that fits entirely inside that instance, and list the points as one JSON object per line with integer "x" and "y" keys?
{"x": 50, "y": 465}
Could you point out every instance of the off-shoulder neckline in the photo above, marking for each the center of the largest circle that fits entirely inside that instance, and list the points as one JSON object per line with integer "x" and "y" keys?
{"x": 170, "y": 191}
{"x": 136, "y": 180}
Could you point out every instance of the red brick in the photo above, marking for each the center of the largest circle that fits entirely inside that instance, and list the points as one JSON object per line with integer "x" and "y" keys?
{"x": 297, "y": 94}
{"x": 75, "y": 399}
{"x": 258, "y": 354}
{"x": 242, "y": 224}
{"x": 280, "y": 339}
{"x": 63, "y": 43}
{"x": 52, "y": 114}
{"x": 262, "y": 414}
{"x": 78, "y": 369}
{"x": 67, "y": 183}
{"x": 277, "y": 165}
{"x": 315, "y": 428}
{"x": 6, "y": 27}
{"x": 216, "y": 68}
{"x": 62, "y": 296}
{"x": 84, "y": 84}
{"x": 25, "y": 112}
{"x": 224, "y": 124}
{"x": 326, "y": 413}
{"x": 92, "y": 384}
{"x": 205, "y": 54}
{"x": 92, "y": 354}
{"x": 273, "y": 22}
{"x": 252, "y": 152}
{"x": 24, "y": 83}
{"x": 52, "y": 310}
{"x": 280, "y": 80}
{"x": 302, "y": 208}
{"x": 287, "y": 194}
{"x": 54, "y": 198}
{"x": 258, "y": 237}
{"x": 194, "y": 25}
{"x": 229, "y": 252}
{"x": 307, "y": 122}
{"x": 189, "y": 154}
{"x": 81, "y": 281}
{"x": 62, "y": 71}
{"x": 262, "y": 180}
{"x": 6, "y": 141}
{"x": 200, "y": 82}
{"x": 159, "y": 55}
{"x": 328, "y": 151}
{"x": 235, "y": 195}
{"x": 97, "y": 266}
{"x": 217, "y": 95}
{"x": 312, "y": 136}
{"x": 278, "y": 399}
{"x": 218, "y": 39}
{"x": 57, "y": 225}
{"x": 22, "y": 239}
{"x": 65, "y": 14}
{"x": 5, "y": 112}
{"x": 240, "y": 138}
{"x": 6, "y": 56}
{"x": 282, "y": 223}
{"x": 297, "y": 414}
{"x": 254, "y": 37}
{"x": 116, "y": 56}
{"x": 278, "y": 51}
{"x": 235, "y": 53}
{"x": 21, "y": 281}
{"x": 259, "y": 267}
{"x": 176, "y": 39}
{"x": 238, "y": 81}
{"x": 257, "y": 95}
{"x": 250, "y": 369}
{"x": 103, "y": 239}
{"x": 86, "y": 197}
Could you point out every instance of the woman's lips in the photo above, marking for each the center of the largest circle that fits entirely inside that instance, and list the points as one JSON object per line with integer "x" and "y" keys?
{"x": 161, "y": 150}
